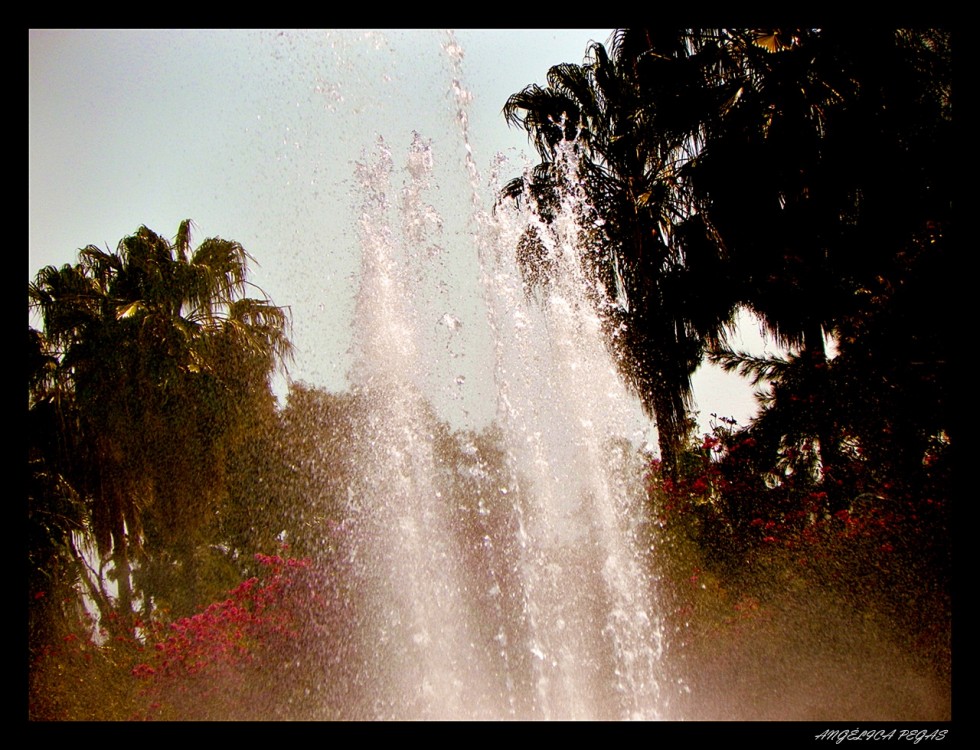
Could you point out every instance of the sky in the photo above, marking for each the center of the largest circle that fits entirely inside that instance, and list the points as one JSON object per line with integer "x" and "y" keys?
{"x": 255, "y": 135}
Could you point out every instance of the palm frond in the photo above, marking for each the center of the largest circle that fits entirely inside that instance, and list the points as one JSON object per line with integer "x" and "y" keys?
{"x": 182, "y": 242}
{"x": 757, "y": 369}
{"x": 217, "y": 275}
{"x": 265, "y": 327}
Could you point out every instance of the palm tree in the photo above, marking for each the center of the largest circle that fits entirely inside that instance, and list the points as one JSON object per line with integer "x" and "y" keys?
{"x": 834, "y": 139}
{"x": 654, "y": 249}
{"x": 154, "y": 348}
{"x": 779, "y": 170}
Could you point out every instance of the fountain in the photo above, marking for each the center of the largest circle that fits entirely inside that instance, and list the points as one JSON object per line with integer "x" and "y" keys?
{"x": 533, "y": 600}
{"x": 475, "y": 497}
{"x": 512, "y": 574}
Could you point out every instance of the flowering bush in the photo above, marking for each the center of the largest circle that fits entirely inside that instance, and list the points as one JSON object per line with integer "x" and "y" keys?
{"x": 747, "y": 523}
{"x": 208, "y": 665}
{"x": 725, "y": 499}
{"x": 216, "y": 664}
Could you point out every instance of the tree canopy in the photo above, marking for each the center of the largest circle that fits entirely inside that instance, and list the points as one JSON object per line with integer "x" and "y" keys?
{"x": 148, "y": 362}
{"x": 790, "y": 172}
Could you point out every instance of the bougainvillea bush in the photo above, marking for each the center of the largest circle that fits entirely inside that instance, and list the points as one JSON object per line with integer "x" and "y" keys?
{"x": 740, "y": 540}
{"x": 215, "y": 663}
{"x": 246, "y": 657}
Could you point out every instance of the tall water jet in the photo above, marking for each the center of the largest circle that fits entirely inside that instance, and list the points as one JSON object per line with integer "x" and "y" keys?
{"x": 567, "y": 420}
{"x": 416, "y": 621}
{"x": 534, "y": 600}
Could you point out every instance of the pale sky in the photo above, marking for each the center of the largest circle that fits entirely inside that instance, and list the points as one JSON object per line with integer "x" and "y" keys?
{"x": 253, "y": 134}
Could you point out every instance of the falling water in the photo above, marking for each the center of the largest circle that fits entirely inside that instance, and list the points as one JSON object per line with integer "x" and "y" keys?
{"x": 474, "y": 505}
{"x": 565, "y": 415}
{"x": 535, "y": 599}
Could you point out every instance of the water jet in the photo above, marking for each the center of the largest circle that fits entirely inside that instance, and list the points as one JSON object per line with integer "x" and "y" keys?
{"x": 550, "y": 611}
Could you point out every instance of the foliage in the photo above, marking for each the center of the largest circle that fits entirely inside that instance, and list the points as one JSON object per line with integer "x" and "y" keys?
{"x": 644, "y": 240}
{"x": 729, "y": 523}
{"x": 223, "y": 662}
{"x": 234, "y": 659}
{"x": 290, "y": 641}
{"x": 788, "y": 171}
{"x": 150, "y": 360}
{"x": 792, "y": 172}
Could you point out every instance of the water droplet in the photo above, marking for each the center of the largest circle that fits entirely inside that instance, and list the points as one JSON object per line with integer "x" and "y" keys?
{"x": 450, "y": 321}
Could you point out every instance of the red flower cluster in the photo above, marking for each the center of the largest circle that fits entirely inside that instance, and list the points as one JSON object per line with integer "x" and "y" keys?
{"x": 203, "y": 654}
{"x": 789, "y": 515}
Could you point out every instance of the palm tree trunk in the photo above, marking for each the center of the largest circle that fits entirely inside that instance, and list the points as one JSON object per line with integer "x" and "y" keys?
{"x": 824, "y": 428}
{"x": 670, "y": 416}
{"x": 124, "y": 578}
